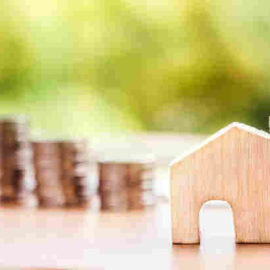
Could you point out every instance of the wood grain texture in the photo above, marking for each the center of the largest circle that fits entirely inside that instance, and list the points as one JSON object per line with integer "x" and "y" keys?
{"x": 235, "y": 167}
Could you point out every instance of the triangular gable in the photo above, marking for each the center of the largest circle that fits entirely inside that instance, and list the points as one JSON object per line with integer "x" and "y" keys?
{"x": 213, "y": 137}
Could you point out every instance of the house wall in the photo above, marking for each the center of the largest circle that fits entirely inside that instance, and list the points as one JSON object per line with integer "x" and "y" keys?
{"x": 236, "y": 168}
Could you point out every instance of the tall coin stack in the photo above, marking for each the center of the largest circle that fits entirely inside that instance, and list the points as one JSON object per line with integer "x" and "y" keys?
{"x": 75, "y": 172}
{"x": 124, "y": 186}
{"x": 47, "y": 166}
{"x": 16, "y": 160}
{"x": 1, "y": 160}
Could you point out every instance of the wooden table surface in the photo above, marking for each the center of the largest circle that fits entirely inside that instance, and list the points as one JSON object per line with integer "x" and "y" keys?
{"x": 76, "y": 239}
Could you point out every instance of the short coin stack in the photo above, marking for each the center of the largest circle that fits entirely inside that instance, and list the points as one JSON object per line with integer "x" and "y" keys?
{"x": 125, "y": 186}
{"x": 16, "y": 160}
{"x": 47, "y": 166}
{"x": 75, "y": 171}
{"x": 113, "y": 186}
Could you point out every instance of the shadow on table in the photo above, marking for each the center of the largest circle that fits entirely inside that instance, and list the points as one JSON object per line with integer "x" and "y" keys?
{"x": 242, "y": 256}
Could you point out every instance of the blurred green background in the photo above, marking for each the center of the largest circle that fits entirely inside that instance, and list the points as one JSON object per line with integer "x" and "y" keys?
{"x": 84, "y": 67}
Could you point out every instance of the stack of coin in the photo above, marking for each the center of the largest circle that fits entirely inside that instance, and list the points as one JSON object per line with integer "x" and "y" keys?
{"x": 75, "y": 172}
{"x": 16, "y": 159}
{"x": 125, "y": 186}
{"x": 1, "y": 160}
{"x": 113, "y": 186}
{"x": 47, "y": 166}
{"x": 140, "y": 185}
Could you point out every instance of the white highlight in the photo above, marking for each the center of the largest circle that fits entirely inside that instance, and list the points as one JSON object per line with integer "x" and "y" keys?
{"x": 221, "y": 132}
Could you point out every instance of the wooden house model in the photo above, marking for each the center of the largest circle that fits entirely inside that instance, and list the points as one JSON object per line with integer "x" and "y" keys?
{"x": 232, "y": 165}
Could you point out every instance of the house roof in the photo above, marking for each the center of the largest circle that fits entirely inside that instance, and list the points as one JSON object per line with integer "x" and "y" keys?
{"x": 222, "y": 131}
